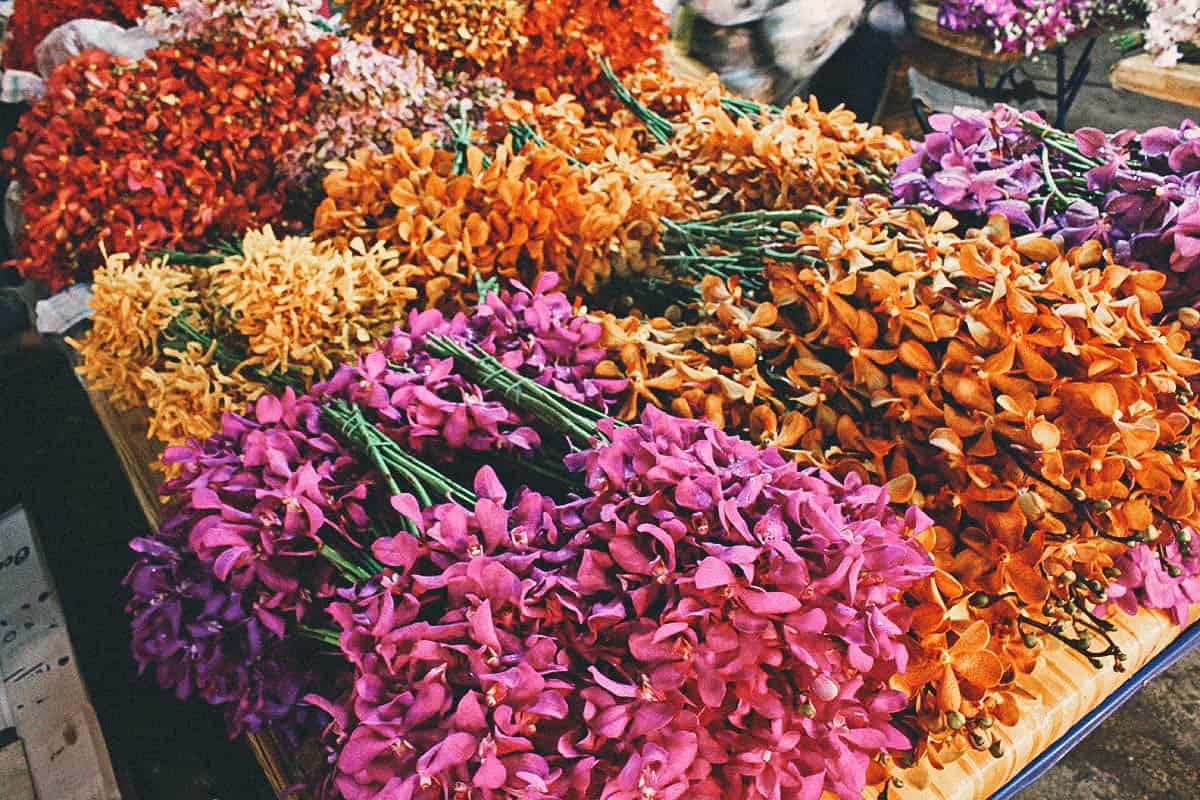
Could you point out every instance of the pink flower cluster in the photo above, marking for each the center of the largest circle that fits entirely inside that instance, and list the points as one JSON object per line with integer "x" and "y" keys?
{"x": 286, "y": 23}
{"x": 1164, "y": 577}
{"x": 707, "y": 619}
{"x": 424, "y": 404}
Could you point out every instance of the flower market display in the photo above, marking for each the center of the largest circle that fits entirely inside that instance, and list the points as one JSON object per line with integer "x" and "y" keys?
{"x": 587, "y": 432}
{"x": 136, "y": 156}
{"x": 1031, "y": 26}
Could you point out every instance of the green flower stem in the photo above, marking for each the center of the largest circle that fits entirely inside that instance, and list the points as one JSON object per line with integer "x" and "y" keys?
{"x": 574, "y": 420}
{"x": 523, "y": 133}
{"x": 346, "y": 568}
{"x": 181, "y": 331}
{"x": 322, "y": 635}
{"x": 392, "y": 460}
{"x": 660, "y": 128}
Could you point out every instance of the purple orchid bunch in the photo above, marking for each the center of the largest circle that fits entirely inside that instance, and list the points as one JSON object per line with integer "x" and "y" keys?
{"x": 426, "y": 404}
{"x": 1031, "y": 26}
{"x": 1138, "y": 194}
{"x": 237, "y": 560}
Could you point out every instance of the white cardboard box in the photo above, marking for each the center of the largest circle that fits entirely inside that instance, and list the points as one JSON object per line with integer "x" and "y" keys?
{"x": 41, "y": 689}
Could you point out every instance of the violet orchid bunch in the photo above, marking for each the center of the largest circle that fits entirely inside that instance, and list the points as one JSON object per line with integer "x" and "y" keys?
{"x": 1030, "y": 26}
{"x": 424, "y": 403}
{"x": 199, "y": 637}
{"x": 1138, "y": 194}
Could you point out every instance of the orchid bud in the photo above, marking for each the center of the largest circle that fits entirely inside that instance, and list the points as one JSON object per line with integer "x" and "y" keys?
{"x": 1032, "y": 505}
{"x": 955, "y": 720}
{"x": 825, "y": 689}
{"x": 997, "y": 749}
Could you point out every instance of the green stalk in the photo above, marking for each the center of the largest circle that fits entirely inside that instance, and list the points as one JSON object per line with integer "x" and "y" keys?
{"x": 181, "y": 331}
{"x": 322, "y": 635}
{"x": 660, "y": 127}
{"x": 393, "y": 461}
{"x": 574, "y": 420}
{"x": 348, "y": 569}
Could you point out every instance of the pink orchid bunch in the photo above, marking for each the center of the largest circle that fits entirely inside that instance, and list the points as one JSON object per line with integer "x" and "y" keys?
{"x": 757, "y": 607}
{"x": 370, "y": 94}
{"x": 286, "y": 23}
{"x": 707, "y": 619}
{"x": 1164, "y": 577}
{"x": 461, "y": 684}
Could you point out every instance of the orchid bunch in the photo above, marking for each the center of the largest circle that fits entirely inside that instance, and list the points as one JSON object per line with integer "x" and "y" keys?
{"x": 1172, "y": 31}
{"x": 369, "y": 94}
{"x": 1138, "y": 194}
{"x": 959, "y": 372}
{"x": 780, "y": 615}
{"x": 1030, "y": 26}
{"x": 286, "y": 23}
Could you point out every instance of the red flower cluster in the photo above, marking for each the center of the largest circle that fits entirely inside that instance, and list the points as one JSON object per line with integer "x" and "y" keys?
{"x": 171, "y": 151}
{"x": 33, "y": 19}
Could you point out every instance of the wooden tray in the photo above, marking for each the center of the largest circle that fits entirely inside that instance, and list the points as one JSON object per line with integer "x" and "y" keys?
{"x": 925, "y": 24}
{"x": 1178, "y": 84}
{"x": 1067, "y": 687}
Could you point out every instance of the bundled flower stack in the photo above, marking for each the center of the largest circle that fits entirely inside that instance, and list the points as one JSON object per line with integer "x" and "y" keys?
{"x": 1134, "y": 193}
{"x": 1172, "y": 32}
{"x": 650, "y": 452}
{"x": 220, "y": 129}
{"x": 1031, "y": 26}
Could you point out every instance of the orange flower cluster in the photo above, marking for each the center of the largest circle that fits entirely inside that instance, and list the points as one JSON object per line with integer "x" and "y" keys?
{"x": 529, "y": 44}
{"x": 791, "y": 159}
{"x": 450, "y": 34}
{"x": 515, "y": 215}
{"x": 1019, "y": 394}
{"x": 161, "y": 334}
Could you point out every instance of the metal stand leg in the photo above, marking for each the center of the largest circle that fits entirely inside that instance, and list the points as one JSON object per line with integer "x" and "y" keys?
{"x": 1067, "y": 88}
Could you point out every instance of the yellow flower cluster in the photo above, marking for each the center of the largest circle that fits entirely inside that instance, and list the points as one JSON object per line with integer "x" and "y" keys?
{"x": 191, "y": 344}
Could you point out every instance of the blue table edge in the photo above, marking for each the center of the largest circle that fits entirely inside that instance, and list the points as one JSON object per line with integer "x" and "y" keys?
{"x": 1176, "y": 650}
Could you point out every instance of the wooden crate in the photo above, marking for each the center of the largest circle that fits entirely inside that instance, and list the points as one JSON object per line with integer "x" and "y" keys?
{"x": 1067, "y": 688}
{"x": 925, "y": 25}
{"x": 1178, "y": 84}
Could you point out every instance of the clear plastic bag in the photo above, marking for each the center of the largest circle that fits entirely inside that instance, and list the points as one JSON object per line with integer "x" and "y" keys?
{"x": 72, "y": 38}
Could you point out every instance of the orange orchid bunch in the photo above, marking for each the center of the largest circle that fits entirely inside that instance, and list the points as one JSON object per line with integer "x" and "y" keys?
{"x": 528, "y": 44}
{"x": 191, "y": 344}
{"x": 1019, "y": 394}
{"x": 514, "y": 214}
{"x": 454, "y": 34}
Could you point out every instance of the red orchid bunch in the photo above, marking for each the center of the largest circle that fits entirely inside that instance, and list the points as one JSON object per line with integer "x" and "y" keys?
{"x": 174, "y": 150}
{"x": 32, "y": 19}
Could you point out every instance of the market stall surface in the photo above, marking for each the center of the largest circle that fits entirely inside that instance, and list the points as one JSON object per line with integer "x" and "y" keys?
{"x": 56, "y": 460}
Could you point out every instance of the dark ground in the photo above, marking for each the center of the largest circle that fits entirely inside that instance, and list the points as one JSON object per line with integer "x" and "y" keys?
{"x": 56, "y": 460}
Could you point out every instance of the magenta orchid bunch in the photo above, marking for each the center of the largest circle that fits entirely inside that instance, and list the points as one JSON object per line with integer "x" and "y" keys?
{"x": 759, "y": 605}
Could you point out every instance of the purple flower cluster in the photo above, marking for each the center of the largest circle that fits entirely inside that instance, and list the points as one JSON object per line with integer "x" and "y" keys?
{"x": 1164, "y": 577}
{"x": 200, "y": 637}
{"x": 236, "y": 559}
{"x": 1137, "y": 194}
{"x": 1030, "y": 26}
{"x": 425, "y": 405}
{"x": 708, "y": 619}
